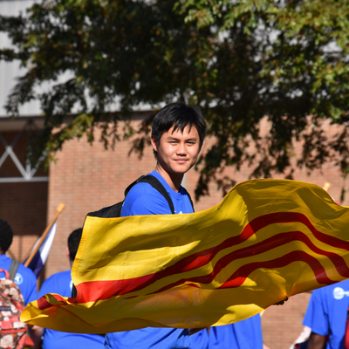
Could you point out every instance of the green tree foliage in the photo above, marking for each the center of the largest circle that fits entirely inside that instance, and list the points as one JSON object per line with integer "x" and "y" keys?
{"x": 238, "y": 60}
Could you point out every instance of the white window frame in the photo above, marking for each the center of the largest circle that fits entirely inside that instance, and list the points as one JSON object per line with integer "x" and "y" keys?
{"x": 27, "y": 172}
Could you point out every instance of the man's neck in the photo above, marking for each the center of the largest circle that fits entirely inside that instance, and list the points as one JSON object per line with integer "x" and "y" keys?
{"x": 173, "y": 180}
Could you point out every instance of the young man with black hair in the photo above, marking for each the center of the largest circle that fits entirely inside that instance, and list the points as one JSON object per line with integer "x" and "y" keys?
{"x": 178, "y": 132}
{"x": 24, "y": 278}
{"x": 62, "y": 283}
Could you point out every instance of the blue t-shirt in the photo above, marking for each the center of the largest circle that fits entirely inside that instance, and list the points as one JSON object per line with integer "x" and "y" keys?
{"x": 199, "y": 340}
{"x": 327, "y": 313}
{"x": 25, "y": 279}
{"x": 61, "y": 283}
{"x": 245, "y": 334}
{"x": 143, "y": 199}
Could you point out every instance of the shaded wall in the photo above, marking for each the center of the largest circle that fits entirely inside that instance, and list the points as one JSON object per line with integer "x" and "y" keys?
{"x": 24, "y": 205}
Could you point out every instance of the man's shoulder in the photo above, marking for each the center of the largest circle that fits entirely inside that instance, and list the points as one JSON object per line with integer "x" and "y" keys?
{"x": 62, "y": 275}
{"x": 336, "y": 291}
{"x": 143, "y": 191}
{"x": 141, "y": 188}
{"x": 57, "y": 283}
{"x": 26, "y": 272}
{"x": 24, "y": 278}
{"x": 144, "y": 199}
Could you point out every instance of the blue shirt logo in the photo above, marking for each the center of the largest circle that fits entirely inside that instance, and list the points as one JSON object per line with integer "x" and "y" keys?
{"x": 18, "y": 279}
{"x": 339, "y": 293}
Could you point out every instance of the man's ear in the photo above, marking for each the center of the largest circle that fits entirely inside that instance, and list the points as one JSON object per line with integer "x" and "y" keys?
{"x": 153, "y": 143}
{"x": 68, "y": 254}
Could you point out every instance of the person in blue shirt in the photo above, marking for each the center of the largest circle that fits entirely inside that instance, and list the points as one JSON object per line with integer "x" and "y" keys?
{"x": 62, "y": 284}
{"x": 326, "y": 315}
{"x": 25, "y": 279}
{"x": 245, "y": 334}
{"x": 178, "y": 132}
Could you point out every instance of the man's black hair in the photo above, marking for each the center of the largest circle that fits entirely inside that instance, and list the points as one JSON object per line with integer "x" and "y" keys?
{"x": 73, "y": 242}
{"x": 178, "y": 115}
{"x": 6, "y": 235}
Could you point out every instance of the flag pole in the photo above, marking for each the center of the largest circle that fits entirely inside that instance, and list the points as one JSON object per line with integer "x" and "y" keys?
{"x": 59, "y": 209}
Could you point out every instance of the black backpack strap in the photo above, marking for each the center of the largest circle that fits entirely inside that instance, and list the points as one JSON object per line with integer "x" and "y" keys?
{"x": 74, "y": 292}
{"x": 191, "y": 201}
{"x": 156, "y": 184}
{"x": 13, "y": 269}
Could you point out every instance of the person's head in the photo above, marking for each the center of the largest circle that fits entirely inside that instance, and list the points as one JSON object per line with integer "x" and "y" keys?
{"x": 73, "y": 243}
{"x": 6, "y": 236}
{"x": 178, "y": 132}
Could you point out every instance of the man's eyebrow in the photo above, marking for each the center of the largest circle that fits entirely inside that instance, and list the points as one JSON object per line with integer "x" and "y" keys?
{"x": 175, "y": 138}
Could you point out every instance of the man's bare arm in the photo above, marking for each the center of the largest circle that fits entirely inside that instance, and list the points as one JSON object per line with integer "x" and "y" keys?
{"x": 36, "y": 332}
{"x": 316, "y": 341}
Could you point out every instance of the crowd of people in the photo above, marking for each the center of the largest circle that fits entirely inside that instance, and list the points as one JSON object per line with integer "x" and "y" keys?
{"x": 178, "y": 133}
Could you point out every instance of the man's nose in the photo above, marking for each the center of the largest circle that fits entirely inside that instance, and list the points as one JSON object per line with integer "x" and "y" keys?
{"x": 181, "y": 149}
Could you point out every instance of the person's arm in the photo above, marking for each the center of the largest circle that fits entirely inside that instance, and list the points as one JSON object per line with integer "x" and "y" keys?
{"x": 316, "y": 318}
{"x": 36, "y": 333}
{"x": 316, "y": 341}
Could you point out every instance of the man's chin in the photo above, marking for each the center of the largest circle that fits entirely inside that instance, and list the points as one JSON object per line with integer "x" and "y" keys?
{"x": 180, "y": 170}
{"x": 183, "y": 169}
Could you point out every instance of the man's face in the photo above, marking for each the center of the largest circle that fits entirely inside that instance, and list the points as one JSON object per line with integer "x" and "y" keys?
{"x": 178, "y": 151}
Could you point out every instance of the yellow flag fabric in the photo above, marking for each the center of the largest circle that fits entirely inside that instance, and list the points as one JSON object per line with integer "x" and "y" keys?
{"x": 266, "y": 240}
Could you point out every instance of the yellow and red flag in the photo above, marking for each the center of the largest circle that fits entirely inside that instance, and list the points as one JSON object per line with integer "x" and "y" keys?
{"x": 266, "y": 240}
